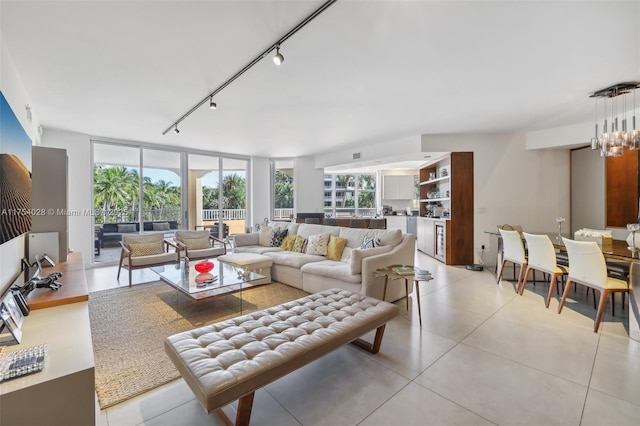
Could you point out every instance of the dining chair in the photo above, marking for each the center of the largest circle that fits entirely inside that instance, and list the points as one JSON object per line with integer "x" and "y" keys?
{"x": 541, "y": 256}
{"x": 356, "y": 223}
{"x": 512, "y": 251}
{"x": 330, "y": 221}
{"x": 508, "y": 227}
{"x": 378, "y": 223}
{"x": 588, "y": 267}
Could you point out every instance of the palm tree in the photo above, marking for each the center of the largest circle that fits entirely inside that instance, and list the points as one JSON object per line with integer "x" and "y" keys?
{"x": 283, "y": 190}
{"x": 234, "y": 191}
{"x": 115, "y": 189}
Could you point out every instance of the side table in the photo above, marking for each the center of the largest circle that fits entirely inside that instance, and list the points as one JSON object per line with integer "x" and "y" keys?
{"x": 414, "y": 274}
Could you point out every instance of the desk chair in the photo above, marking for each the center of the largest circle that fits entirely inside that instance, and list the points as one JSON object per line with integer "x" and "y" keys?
{"x": 588, "y": 267}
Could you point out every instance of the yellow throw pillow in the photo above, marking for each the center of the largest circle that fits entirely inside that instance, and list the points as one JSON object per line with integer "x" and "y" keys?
{"x": 335, "y": 248}
{"x": 197, "y": 243}
{"x": 287, "y": 243}
{"x": 299, "y": 245}
{"x": 146, "y": 249}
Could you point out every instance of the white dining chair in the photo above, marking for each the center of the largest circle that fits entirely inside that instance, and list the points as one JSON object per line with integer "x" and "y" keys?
{"x": 512, "y": 251}
{"x": 587, "y": 266}
{"x": 541, "y": 256}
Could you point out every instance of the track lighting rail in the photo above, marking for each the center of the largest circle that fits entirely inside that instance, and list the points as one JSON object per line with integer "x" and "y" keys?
{"x": 277, "y": 44}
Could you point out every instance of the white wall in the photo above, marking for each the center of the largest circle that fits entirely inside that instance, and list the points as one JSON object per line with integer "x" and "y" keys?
{"x": 13, "y": 90}
{"x": 511, "y": 185}
{"x": 308, "y": 186}
{"x": 80, "y": 176}
{"x": 260, "y": 191}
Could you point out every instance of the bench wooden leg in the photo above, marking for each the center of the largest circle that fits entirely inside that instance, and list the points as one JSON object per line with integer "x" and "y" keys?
{"x": 245, "y": 404}
{"x": 377, "y": 341}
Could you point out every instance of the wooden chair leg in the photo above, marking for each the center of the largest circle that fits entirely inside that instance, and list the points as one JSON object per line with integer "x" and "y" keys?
{"x": 554, "y": 281}
{"x": 601, "y": 306}
{"x": 501, "y": 271}
{"x": 564, "y": 295}
{"x": 521, "y": 286}
{"x": 520, "y": 276}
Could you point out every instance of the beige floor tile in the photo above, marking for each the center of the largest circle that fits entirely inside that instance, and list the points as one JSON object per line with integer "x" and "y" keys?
{"x": 601, "y": 409}
{"x": 569, "y": 358}
{"x": 341, "y": 388}
{"x": 415, "y": 405}
{"x": 448, "y": 321}
{"x": 408, "y": 350}
{"x": 151, "y": 404}
{"x": 617, "y": 374}
{"x": 503, "y": 391}
{"x": 188, "y": 414}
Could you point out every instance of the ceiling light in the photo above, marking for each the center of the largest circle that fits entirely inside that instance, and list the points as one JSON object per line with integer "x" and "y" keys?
{"x": 612, "y": 143}
{"x": 175, "y": 130}
{"x": 278, "y": 59}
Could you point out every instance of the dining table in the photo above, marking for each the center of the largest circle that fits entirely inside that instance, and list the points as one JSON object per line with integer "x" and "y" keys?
{"x": 620, "y": 252}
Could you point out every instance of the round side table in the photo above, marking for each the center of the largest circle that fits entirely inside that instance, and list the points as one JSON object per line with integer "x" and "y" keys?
{"x": 406, "y": 273}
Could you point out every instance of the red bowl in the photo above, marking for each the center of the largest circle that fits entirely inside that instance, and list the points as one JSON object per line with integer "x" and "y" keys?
{"x": 202, "y": 267}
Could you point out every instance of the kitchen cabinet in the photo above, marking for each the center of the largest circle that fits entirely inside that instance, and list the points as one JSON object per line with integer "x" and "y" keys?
{"x": 397, "y": 222}
{"x": 397, "y": 187}
{"x": 446, "y": 194}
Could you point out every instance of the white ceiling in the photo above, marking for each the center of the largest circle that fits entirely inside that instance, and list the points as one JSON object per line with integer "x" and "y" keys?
{"x": 362, "y": 72}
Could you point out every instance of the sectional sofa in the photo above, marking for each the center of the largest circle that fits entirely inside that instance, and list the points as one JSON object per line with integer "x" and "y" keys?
{"x": 354, "y": 271}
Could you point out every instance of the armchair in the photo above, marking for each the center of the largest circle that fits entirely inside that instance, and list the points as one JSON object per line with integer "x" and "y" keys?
{"x": 199, "y": 244}
{"x": 145, "y": 251}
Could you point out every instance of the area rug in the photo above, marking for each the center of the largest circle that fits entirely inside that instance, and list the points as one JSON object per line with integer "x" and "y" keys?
{"x": 129, "y": 325}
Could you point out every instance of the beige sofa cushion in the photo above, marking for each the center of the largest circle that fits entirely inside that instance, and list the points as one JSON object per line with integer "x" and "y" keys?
{"x": 332, "y": 269}
{"x": 295, "y": 260}
{"x": 355, "y": 236}
{"x": 307, "y": 229}
{"x": 256, "y": 249}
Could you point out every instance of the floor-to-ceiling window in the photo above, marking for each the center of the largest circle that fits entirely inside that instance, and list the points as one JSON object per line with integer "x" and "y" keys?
{"x": 221, "y": 208}
{"x": 140, "y": 185}
{"x": 282, "y": 195}
{"x": 350, "y": 195}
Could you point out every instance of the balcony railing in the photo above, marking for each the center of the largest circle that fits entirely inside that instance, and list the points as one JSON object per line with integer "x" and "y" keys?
{"x": 227, "y": 214}
{"x": 282, "y": 213}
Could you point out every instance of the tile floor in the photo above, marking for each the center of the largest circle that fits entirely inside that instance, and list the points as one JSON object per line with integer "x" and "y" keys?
{"x": 484, "y": 355}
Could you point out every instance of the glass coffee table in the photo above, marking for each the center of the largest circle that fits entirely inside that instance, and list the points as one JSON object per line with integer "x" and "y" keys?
{"x": 222, "y": 280}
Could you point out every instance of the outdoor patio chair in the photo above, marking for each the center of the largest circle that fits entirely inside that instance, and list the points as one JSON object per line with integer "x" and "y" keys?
{"x": 146, "y": 251}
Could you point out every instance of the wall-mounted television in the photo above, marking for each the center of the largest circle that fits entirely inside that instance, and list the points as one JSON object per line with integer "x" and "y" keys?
{"x": 15, "y": 175}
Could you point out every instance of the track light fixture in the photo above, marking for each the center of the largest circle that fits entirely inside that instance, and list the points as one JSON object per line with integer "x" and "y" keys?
{"x": 278, "y": 59}
{"x": 176, "y": 130}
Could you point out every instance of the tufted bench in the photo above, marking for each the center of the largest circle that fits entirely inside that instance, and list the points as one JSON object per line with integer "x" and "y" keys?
{"x": 231, "y": 359}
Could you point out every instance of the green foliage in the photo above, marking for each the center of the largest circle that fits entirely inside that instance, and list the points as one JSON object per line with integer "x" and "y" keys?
{"x": 283, "y": 190}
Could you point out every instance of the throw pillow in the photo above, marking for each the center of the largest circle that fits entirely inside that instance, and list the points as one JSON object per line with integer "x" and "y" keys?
{"x": 335, "y": 247}
{"x": 299, "y": 245}
{"x": 146, "y": 249}
{"x": 197, "y": 243}
{"x": 287, "y": 243}
{"x": 161, "y": 226}
{"x": 277, "y": 236}
{"x": 370, "y": 242}
{"x": 317, "y": 244}
{"x": 130, "y": 227}
{"x": 264, "y": 239}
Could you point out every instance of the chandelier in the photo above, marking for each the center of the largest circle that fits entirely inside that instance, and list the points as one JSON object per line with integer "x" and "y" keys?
{"x": 614, "y": 139}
